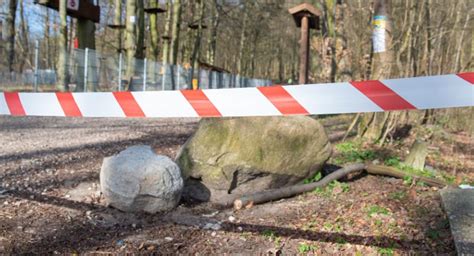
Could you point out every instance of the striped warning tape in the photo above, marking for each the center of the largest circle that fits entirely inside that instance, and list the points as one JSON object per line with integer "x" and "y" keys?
{"x": 443, "y": 91}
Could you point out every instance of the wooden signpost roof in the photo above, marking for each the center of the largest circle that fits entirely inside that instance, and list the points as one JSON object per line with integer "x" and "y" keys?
{"x": 155, "y": 10}
{"x": 86, "y": 10}
{"x": 307, "y": 10}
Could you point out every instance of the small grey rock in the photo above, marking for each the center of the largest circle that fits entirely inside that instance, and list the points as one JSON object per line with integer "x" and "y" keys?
{"x": 138, "y": 180}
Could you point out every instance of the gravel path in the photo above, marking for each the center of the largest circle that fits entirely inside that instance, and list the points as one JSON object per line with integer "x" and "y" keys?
{"x": 32, "y": 146}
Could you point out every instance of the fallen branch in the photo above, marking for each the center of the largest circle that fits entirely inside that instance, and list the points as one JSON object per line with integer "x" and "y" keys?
{"x": 393, "y": 172}
{"x": 275, "y": 194}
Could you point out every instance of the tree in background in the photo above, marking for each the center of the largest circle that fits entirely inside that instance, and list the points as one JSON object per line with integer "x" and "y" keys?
{"x": 61, "y": 66}
{"x": 175, "y": 32}
{"x": 130, "y": 44}
{"x": 11, "y": 33}
{"x": 375, "y": 126}
{"x": 85, "y": 34}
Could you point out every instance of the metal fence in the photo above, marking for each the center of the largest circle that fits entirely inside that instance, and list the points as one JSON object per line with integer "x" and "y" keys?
{"x": 89, "y": 70}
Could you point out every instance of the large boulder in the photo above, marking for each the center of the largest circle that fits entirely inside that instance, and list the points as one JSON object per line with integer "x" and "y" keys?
{"x": 230, "y": 157}
{"x": 138, "y": 180}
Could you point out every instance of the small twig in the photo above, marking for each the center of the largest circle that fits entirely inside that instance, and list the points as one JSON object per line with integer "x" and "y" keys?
{"x": 354, "y": 122}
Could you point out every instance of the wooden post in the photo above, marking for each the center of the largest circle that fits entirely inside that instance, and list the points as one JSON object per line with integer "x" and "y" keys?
{"x": 304, "y": 50}
{"x": 306, "y": 17}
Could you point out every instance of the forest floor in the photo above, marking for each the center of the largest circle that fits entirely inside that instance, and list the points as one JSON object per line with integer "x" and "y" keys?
{"x": 51, "y": 204}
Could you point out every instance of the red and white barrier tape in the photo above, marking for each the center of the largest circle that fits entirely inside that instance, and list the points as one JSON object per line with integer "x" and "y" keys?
{"x": 444, "y": 91}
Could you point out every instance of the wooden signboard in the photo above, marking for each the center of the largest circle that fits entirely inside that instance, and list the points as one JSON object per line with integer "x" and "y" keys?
{"x": 81, "y": 9}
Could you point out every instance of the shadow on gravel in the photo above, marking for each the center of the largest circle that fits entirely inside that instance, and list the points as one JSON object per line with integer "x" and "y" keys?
{"x": 328, "y": 237}
{"x": 52, "y": 200}
{"x": 84, "y": 236}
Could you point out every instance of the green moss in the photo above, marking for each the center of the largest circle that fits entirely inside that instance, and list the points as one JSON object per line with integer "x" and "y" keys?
{"x": 260, "y": 154}
{"x": 289, "y": 146}
{"x": 185, "y": 163}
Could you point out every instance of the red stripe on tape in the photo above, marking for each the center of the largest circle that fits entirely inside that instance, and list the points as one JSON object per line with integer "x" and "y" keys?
{"x": 383, "y": 96}
{"x": 201, "y": 104}
{"x": 283, "y": 101}
{"x": 14, "y": 104}
{"x": 128, "y": 104}
{"x": 469, "y": 76}
{"x": 68, "y": 104}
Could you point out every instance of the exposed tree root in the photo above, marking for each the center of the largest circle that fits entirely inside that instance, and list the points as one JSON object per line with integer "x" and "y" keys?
{"x": 275, "y": 194}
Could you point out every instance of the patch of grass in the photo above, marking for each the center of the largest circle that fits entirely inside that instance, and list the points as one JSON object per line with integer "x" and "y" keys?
{"x": 277, "y": 242}
{"x": 328, "y": 190}
{"x": 305, "y": 248}
{"x": 421, "y": 184}
{"x": 378, "y": 223}
{"x": 449, "y": 178}
{"x": 340, "y": 240}
{"x": 392, "y": 161}
{"x": 385, "y": 251}
{"x": 398, "y": 195}
{"x": 328, "y": 226}
{"x": 433, "y": 234}
{"x": 310, "y": 225}
{"x": 269, "y": 234}
{"x": 407, "y": 180}
{"x": 353, "y": 152}
{"x": 375, "y": 209}
{"x": 316, "y": 177}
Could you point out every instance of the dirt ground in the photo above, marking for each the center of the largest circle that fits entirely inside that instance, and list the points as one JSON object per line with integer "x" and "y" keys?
{"x": 51, "y": 204}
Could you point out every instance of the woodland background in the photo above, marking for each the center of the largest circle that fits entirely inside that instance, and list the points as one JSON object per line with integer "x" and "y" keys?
{"x": 254, "y": 38}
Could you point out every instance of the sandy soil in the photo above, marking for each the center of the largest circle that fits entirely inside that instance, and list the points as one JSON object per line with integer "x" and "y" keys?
{"x": 51, "y": 205}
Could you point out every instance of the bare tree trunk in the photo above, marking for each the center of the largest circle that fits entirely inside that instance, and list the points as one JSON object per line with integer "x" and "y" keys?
{"x": 61, "y": 84}
{"x": 140, "y": 14}
{"x": 373, "y": 124}
{"x": 130, "y": 43}
{"x": 330, "y": 8}
{"x": 254, "y": 53}
{"x": 85, "y": 33}
{"x": 212, "y": 39}
{"x": 24, "y": 40}
{"x": 49, "y": 59}
{"x": 11, "y": 33}
{"x": 243, "y": 39}
{"x": 166, "y": 42}
{"x": 461, "y": 40}
{"x": 417, "y": 156}
{"x": 118, "y": 21}
{"x": 174, "y": 46}
{"x": 176, "y": 25}
{"x": 197, "y": 42}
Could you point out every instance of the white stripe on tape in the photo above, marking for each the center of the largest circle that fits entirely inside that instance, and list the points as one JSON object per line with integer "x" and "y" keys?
{"x": 332, "y": 98}
{"x": 3, "y": 105}
{"x": 434, "y": 92}
{"x": 164, "y": 104}
{"x": 98, "y": 104}
{"x": 243, "y": 102}
{"x": 41, "y": 104}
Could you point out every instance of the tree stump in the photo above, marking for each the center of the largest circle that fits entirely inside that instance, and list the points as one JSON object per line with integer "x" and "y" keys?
{"x": 417, "y": 156}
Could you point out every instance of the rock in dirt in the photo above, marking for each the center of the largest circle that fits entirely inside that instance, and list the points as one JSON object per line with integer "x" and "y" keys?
{"x": 459, "y": 206}
{"x": 138, "y": 180}
{"x": 231, "y": 157}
